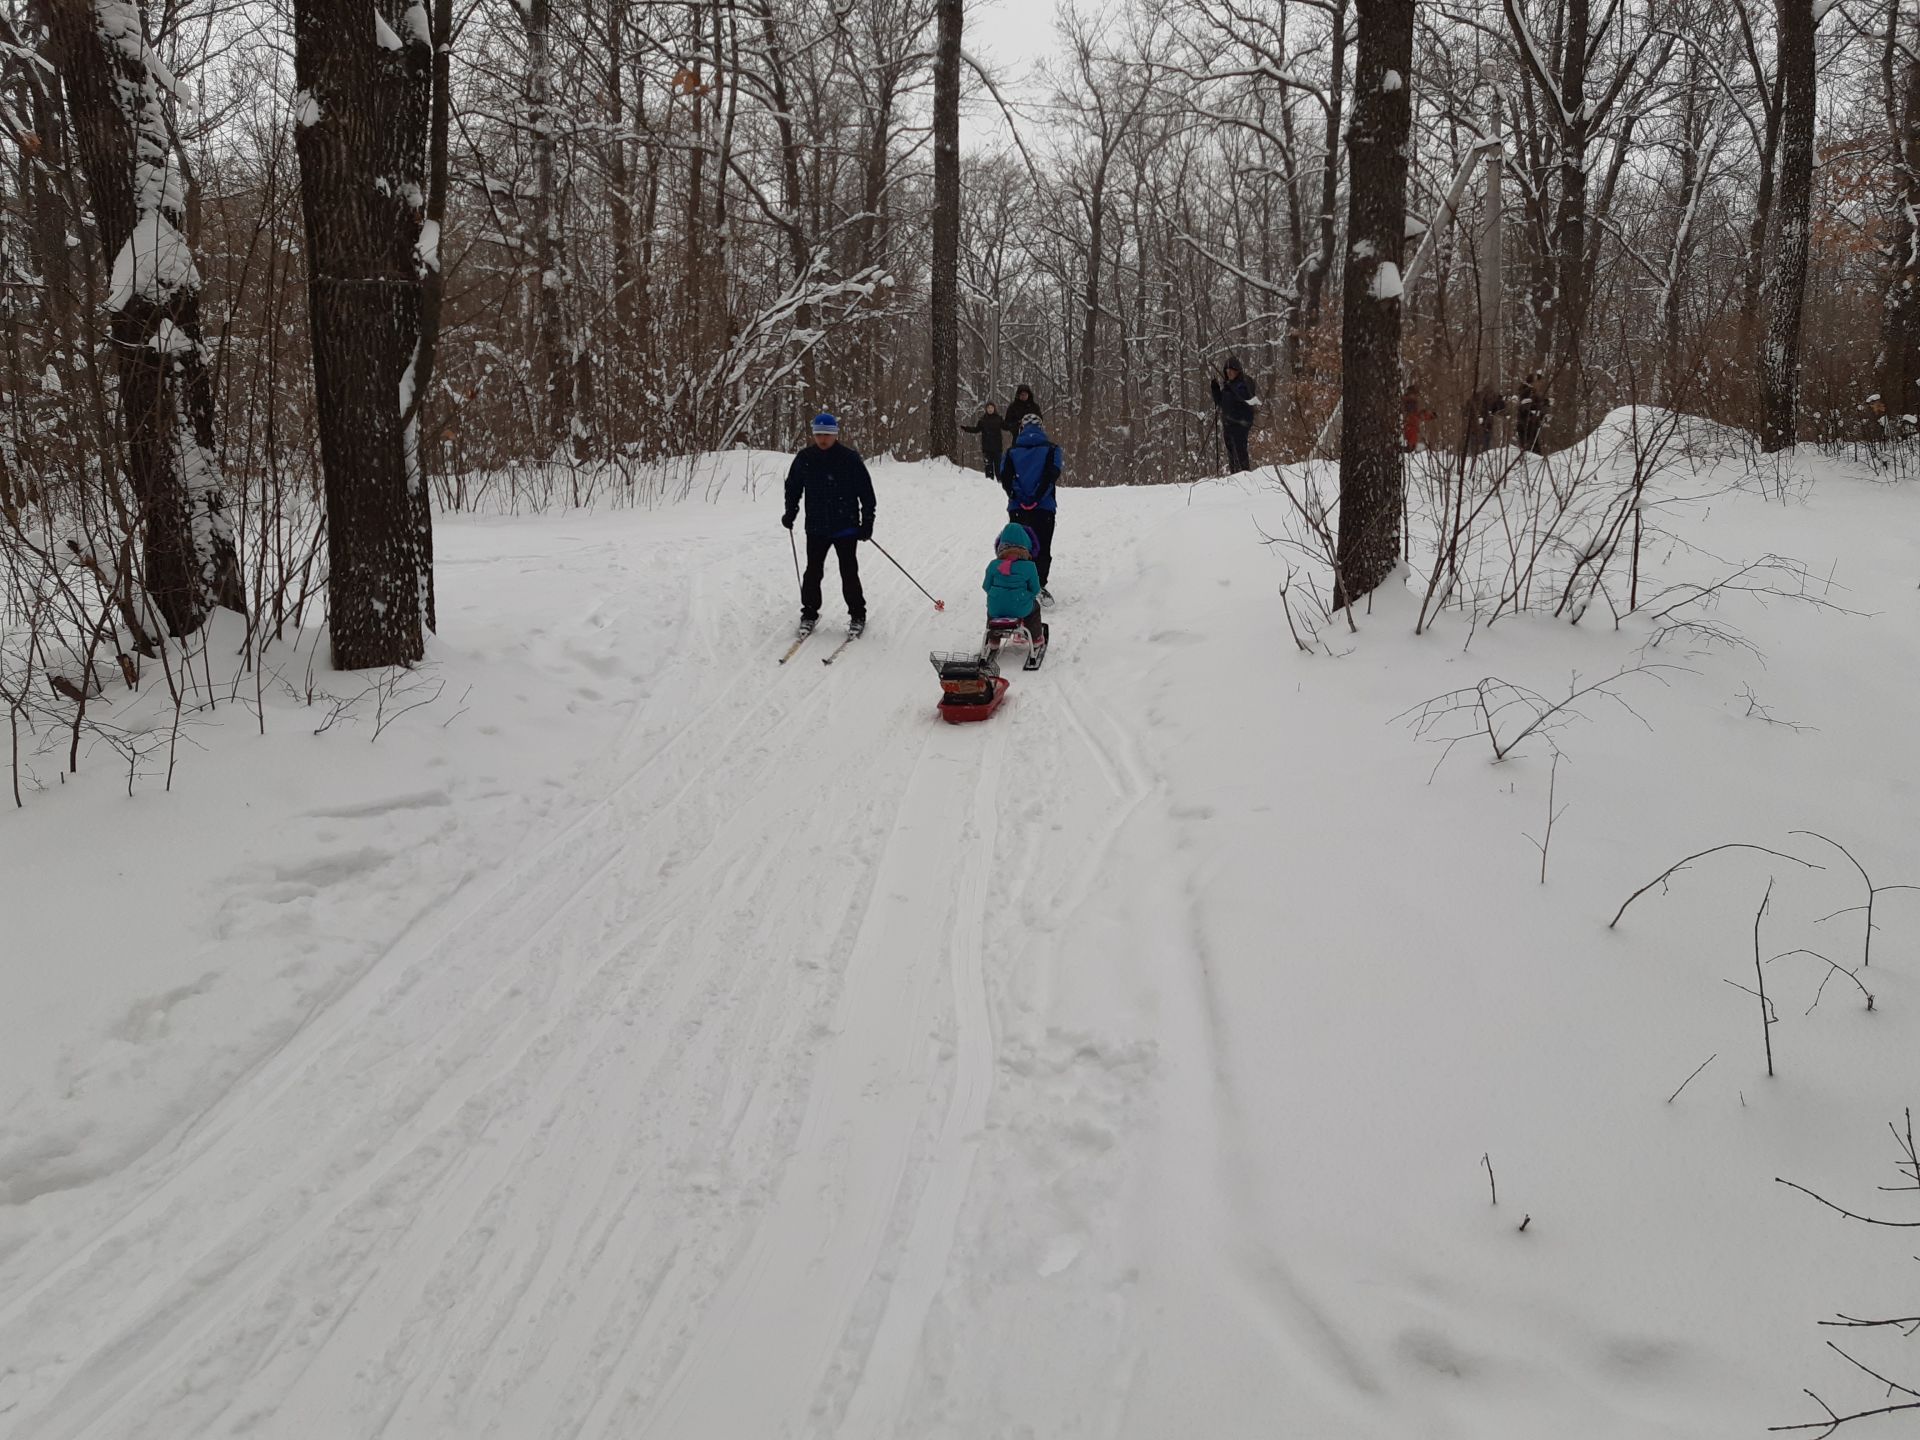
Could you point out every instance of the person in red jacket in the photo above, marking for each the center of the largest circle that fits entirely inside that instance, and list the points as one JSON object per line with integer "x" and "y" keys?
{"x": 1413, "y": 415}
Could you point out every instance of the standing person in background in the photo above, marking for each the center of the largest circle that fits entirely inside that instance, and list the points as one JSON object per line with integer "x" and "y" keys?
{"x": 1482, "y": 405}
{"x": 833, "y": 481}
{"x": 1531, "y": 411}
{"x": 1233, "y": 396}
{"x": 1021, "y": 407}
{"x": 989, "y": 428}
{"x": 1028, "y": 475}
{"x": 1413, "y": 415}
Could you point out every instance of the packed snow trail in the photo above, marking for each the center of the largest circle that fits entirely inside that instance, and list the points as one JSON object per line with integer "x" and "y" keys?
{"x": 619, "y": 1143}
{"x": 1120, "y": 1067}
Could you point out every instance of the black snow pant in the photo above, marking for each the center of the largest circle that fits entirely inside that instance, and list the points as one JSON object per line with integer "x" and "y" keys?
{"x": 848, "y": 549}
{"x": 991, "y": 459}
{"x": 1236, "y": 439}
{"x": 1041, "y": 523}
{"x": 1033, "y": 624}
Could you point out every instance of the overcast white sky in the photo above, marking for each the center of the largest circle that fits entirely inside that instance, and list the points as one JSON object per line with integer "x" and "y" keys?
{"x": 1006, "y": 36}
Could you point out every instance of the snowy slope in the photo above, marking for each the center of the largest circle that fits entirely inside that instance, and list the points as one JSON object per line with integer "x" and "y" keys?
{"x": 643, "y": 1039}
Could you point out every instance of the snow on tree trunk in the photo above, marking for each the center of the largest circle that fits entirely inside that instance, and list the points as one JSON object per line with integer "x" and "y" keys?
{"x": 1572, "y": 287}
{"x": 363, "y": 168}
{"x": 945, "y": 280}
{"x": 1371, "y": 477}
{"x": 1900, "y": 318}
{"x": 1786, "y": 272}
{"x": 116, "y": 87}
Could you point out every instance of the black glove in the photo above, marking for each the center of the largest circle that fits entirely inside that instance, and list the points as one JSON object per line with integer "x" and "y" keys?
{"x": 865, "y": 532}
{"x": 787, "y": 520}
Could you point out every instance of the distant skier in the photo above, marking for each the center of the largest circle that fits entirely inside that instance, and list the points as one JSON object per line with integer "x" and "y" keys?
{"x": 1530, "y": 411}
{"x": 989, "y": 428}
{"x": 834, "y": 482}
{"x": 1013, "y": 580}
{"x": 1028, "y": 474}
{"x": 1233, "y": 396}
{"x": 1021, "y": 407}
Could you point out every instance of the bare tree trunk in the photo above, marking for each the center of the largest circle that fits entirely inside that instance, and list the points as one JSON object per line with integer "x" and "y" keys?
{"x": 114, "y": 99}
{"x": 1900, "y": 315}
{"x": 553, "y": 372}
{"x": 366, "y": 113}
{"x": 1572, "y": 287}
{"x": 792, "y": 194}
{"x": 945, "y": 281}
{"x": 1322, "y": 262}
{"x": 1786, "y": 274}
{"x": 1490, "y": 347}
{"x": 1371, "y": 478}
{"x": 1090, "y": 323}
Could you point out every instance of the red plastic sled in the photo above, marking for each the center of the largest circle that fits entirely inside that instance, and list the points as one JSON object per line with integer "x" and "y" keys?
{"x": 956, "y": 711}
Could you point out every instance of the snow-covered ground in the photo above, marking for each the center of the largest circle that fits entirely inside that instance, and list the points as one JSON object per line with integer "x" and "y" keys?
{"x": 641, "y": 1039}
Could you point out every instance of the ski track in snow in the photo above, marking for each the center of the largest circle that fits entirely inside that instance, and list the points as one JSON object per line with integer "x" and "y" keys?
{"x": 666, "y": 1130}
{"x": 815, "y": 1069}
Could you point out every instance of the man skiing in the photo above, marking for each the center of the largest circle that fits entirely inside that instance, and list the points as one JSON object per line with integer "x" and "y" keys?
{"x": 1233, "y": 396}
{"x": 834, "y": 482}
{"x": 989, "y": 428}
{"x": 1029, "y": 474}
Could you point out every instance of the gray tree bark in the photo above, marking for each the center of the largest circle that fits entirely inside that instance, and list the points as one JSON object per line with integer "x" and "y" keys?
{"x": 1371, "y": 475}
{"x": 1787, "y": 238}
{"x": 944, "y": 293}
{"x": 368, "y": 113}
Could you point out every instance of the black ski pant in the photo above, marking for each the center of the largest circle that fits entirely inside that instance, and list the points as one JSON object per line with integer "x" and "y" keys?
{"x": 1041, "y": 523}
{"x": 991, "y": 459}
{"x": 1236, "y": 440}
{"x": 848, "y": 549}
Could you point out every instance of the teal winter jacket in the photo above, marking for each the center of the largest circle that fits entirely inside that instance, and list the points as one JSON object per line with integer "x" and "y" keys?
{"x": 1013, "y": 580}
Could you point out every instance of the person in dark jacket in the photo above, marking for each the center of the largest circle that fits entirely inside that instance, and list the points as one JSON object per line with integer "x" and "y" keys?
{"x": 990, "y": 427}
{"x": 1482, "y": 405}
{"x": 833, "y": 481}
{"x": 1021, "y": 407}
{"x": 1529, "y": 410}
{"x": 1029, "y": 474}
{"x": 1233, "y": 396}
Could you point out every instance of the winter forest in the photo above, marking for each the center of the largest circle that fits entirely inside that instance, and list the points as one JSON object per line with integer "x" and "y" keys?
{"x": 459, "y": 979}
{"x": 606, "y": 233}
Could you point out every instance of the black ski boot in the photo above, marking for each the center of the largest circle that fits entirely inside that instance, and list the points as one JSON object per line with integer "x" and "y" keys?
{"x": 1038, "y": 652}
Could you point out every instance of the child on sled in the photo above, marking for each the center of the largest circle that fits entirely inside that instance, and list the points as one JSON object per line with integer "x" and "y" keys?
{"x": 1012, "y": 584}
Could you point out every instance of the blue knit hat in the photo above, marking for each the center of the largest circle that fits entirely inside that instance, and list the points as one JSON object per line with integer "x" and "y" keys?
{"x": 825, "y": 424}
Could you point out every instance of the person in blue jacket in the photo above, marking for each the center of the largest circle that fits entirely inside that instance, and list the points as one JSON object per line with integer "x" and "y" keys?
{"x": 1013, "y": 580}
{"x": 1029, "y": 474}
{"x": 833, "y": 481}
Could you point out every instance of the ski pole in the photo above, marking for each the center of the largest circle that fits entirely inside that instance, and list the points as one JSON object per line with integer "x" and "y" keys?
{"x": 794, "y": 546}
{"x": 937, "y": 604}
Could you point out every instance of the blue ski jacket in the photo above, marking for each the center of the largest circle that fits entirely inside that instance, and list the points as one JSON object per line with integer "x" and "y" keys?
{"x": 838, "y": 491}
{"x": 1030, "y": 470}
{"x": 1013, "y": 580}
